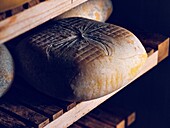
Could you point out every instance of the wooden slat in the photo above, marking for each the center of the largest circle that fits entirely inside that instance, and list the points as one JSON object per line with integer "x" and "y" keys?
{"x": 76, "y": 125}
{"x": 91, "y": 122}
{"x": 128, "y": 115}
{"x": 163, "y": 50}
{"x": 31, "y": 92}
{"x": 157, "y": 42}
{"x": 151, "y": 40}
{"x": 33, "y": 3}
{"x": 34, "y": 16}
{"x": 20, "y": 111}
{"x": 2, "y": 16}
{"x": 112, "y": 116}
{"x": 108, "y": 118}
{"x": 46, "y": 108}
{"x": 7, "y": 121}
{"x": 17, "y": 10}
{"x": 72, "y": 111}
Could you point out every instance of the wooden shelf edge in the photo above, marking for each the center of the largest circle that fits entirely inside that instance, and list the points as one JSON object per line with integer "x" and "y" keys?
{"x": 163, "y": 50}
{"x": 34, "y": 16}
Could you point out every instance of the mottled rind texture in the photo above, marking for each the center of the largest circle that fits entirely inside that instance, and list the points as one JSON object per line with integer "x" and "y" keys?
{"x": 80, "y": 59}
{"x": 6, "y": 70}
{"x": 99, "y": 10}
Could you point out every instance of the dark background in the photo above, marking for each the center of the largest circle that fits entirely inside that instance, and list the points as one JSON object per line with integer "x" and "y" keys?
{"x": 149, "y": 96}
{"x": 148, "y": 15}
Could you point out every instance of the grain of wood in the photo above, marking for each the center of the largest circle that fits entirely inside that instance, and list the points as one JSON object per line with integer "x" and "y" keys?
{"x": 108, "y": 118}
{"x": 128, "y": 115}
{"x": 44, "y": 107}
{"x": 90, "y": 122}
{"x": 17, "y": 10}
{"x": 36, "y": 119}
{"x": 8, "y": 121}
{"x": 32, "y": 17}
{"x": 163, "y": 50}
{"x": 33, "y": 3}
{"x": 27, "y": 90}
{"x": 157, "y": 42}
{"x": 2, "y": 16}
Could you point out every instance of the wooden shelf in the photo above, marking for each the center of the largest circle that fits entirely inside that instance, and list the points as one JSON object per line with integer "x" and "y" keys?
{"x": 30, "y": 18}
{"x": 52, "y": 112}
{"x": 107, "y": 116}
{"x": 22, "y": 100}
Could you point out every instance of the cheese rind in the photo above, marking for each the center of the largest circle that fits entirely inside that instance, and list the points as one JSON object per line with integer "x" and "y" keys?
{"x": 80, "y": 59}
{"x": 6, "y": 70}
{"x": 99, "y": 10}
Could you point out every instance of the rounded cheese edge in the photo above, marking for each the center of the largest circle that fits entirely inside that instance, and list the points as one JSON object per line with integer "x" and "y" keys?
{"x": 107, "y": 74}
{"x": 98, "y": 10}
{"x": 6, "y": 70}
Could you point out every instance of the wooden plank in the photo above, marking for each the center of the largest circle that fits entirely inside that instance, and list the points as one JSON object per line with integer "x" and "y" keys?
{"x": 2, "y": 16}
{"x": 81, "y": 108}
{"x": 32, "y": 17}
{"x": 8, "y": 121}
{"x": 131, "y": 118}
{"x": 33, "y": 3}
{"x": 17, "y": 10}
{"x": 27, "y": 115}
{"x": 76, "y": 125}
{"x": 91, "y": 122}
{"x": 128, "y": 115}
{"x": 37, "y": 96}
{"x": 109, "y": 118}
{"x": 48, "y": 109}
{"x": 163, "y": 50}
{"x": 155, "y": 41}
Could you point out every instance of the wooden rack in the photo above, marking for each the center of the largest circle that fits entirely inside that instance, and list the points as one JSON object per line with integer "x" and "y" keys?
{"x": 23, "y": 106}
{"x": 32, "y": 17}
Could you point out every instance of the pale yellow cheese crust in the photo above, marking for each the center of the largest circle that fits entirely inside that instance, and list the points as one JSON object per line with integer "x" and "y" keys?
{"x": 98, "y": 10}
{"x": 108, "y": 73}
{"x": 6, "y": 5}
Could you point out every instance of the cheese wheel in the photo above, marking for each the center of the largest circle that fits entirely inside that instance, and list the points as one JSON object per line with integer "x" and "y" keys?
{"x": 99, "y": 10}
{"x": 6, "y": 70}
{"x": 79, "y": 59}
{"x": 6, "y": 5}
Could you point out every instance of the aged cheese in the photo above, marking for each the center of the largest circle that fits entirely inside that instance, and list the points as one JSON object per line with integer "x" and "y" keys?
{"x": 80, "y": 59}
{"x": 6, "y": 5}
{"x": 6, "y": 70}
{"x": 98, "y": 10}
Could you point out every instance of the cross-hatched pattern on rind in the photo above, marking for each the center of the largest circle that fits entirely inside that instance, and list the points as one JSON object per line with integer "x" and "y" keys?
{"x": 78, "y": 38}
